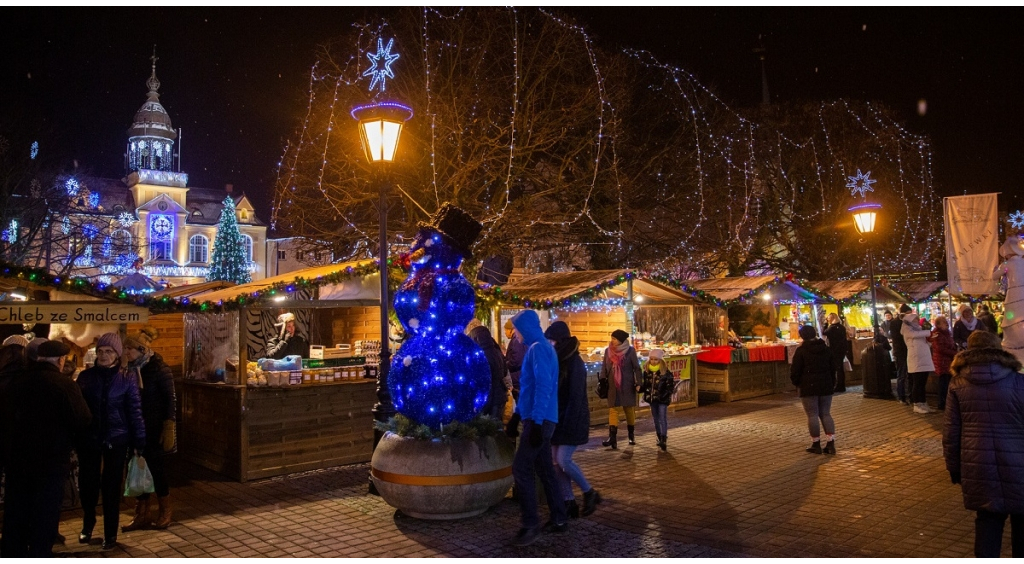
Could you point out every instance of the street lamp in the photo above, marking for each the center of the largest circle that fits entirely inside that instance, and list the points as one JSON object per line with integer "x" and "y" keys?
{"x": 865, "y": 215}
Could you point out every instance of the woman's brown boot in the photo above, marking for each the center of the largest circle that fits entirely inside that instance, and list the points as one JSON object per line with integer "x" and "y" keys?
{"x": 164, "y": 519}
{"x": 141, "y": 519}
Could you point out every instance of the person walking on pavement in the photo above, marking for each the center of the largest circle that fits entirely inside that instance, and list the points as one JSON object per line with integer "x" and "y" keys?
{"x": 813, "y": 374}
{"x": 966, "y": 325}
{"x": 514, "y": 354}
{"x": 899, "y": 354}
{"x": 919, "y": 361}
{"x": 158, "y": 414}
{"x": 621, "y": 369}
{"x": 839, "y": 345}
{"x": 42, "y": 412}
{"x": 573, "y": 427}
{"x": 943, "y": 351}
{"x": 117, "y": 426}
{"x": 983, "y": 440}
{"x": 537, "y": 408}
{"x": 658, "y": 384}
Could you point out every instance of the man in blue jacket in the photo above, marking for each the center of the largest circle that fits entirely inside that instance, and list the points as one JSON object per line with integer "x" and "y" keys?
{"x": 538, "y": 409}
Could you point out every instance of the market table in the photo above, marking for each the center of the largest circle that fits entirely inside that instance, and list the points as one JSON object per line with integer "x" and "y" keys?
{"x": 730, "y": 374}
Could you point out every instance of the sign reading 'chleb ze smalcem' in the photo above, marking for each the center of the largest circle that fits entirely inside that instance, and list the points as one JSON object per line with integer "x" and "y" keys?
{"x": 71, "y": 312}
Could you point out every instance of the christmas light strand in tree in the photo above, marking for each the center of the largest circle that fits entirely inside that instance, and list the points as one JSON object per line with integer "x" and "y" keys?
{"x": 229, "y": 261}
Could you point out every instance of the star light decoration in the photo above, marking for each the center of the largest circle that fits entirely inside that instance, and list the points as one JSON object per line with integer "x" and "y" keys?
{"x": 861, "y": 183}
{"x": 1017, "y": 219}
{"x": 126, "y": 219}
{"x": 381, "y": 60}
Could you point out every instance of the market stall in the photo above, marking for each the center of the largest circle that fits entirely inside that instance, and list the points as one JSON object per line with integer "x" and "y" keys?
{"x": 754, "y": 360}
{"x": 249, "y": 416}
{"x": 596, "y": 302}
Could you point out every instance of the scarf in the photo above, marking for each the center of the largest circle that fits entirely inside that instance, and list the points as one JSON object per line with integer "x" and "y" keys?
{"x": 616, "y": 353}
{"x": 970, "y": 326}
{"x": 135, "y": 367}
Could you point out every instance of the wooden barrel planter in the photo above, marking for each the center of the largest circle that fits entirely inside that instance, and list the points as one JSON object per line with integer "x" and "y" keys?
{"x": 449, "y": 479}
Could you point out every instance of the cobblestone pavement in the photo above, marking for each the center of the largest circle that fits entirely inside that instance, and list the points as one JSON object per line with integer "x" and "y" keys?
{"x": 734, "y": 482}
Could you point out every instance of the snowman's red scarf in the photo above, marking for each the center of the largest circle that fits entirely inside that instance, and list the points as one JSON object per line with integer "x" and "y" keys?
{"x": 424, "y": 280}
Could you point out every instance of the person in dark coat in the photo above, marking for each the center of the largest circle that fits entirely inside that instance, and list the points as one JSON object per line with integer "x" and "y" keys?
{"x": 658, "y": 384}
{"x": 839, "y": 345}
{"x": 883, "y": 327}
{"x": 899, "y": 353}
{"x": 289, "y": 342}
{"x": 983, "y": 440}
{"x": 117, "y": 427}
{"x": 987, "y": 319}
{"x": 42, "y": 412}
{"x": 621, "y": 368}
{"x": 158, "y": 413}
{"x": 514, "y": 354}
{"x": 573, "y": 429}
{"x": 966, "y": 325}
{"x": 943, "y": 351}
{"x": 497, "y": 396}
{"x": 813, "y": 373}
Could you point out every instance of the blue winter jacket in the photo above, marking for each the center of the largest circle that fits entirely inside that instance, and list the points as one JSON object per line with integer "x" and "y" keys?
{"x": 538, "y": 379}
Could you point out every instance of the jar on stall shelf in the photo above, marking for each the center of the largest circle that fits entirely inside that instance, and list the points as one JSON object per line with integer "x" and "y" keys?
{"x": 307, "y": 377}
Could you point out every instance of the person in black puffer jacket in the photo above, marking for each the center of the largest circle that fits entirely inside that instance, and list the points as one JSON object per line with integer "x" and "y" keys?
{"x": 158, "y": 412}
{"x": 657, "y": 387}
{"x": 117, "y": 427}
{"x": 573, "y": 427}
{"x": 983, "y": 440}
{"x": 813, "y": 373}
{"x": 500, "y": 382}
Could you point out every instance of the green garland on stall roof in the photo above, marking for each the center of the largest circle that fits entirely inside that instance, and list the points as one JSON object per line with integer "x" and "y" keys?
{"x": 489, "y": 296}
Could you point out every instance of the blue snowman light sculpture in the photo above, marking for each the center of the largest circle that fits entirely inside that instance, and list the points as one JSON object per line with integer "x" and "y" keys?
{"x": 439, "y": 375}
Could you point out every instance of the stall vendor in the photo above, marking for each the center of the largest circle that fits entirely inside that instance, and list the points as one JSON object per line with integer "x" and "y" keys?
{"x": 288, "y": 341}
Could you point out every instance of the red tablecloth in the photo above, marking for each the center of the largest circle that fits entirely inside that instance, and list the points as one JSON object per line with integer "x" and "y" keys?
{"x": 721, "y": 355}
{"x": 767, "y": 354}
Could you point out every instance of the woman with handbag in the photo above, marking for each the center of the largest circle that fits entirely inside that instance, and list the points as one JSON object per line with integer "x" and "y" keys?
{"x": 117, "y": 427}
{"x": 158, "y": 411}
{"x": 621, "y": 372}
{"x": 657, "y": 387}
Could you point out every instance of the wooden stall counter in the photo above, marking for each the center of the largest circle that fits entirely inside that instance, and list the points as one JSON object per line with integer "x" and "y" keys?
{"x": 730, "y": 374}
{"x": 248, "y": 433}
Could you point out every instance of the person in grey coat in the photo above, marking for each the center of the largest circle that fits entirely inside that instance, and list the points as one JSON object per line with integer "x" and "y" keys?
{"x": 621, "y": 369}
{"x": 983, "y": 440}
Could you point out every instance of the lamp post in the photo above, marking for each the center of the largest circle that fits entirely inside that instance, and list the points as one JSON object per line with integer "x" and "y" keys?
{"x": 865, "y": 215}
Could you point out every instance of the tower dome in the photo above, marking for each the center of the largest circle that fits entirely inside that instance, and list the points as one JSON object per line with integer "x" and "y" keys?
{"x": 151, "y": 137}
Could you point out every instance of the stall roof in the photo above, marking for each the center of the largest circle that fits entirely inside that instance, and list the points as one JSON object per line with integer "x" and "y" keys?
{"x": 844, "y": 291}
{"x": 560, "y": 286}
{"x": 189, "y": 290}
{"x": 734, "y": 288}
{"x": 920, "y": 290}
{"x": 357, "y": 289}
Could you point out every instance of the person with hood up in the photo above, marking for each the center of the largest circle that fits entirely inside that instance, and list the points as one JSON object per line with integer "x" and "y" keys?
{"x": 500, "y": 381}
{"x": 658, "y": 385}
{"x": 966, "y": 325}
{"x": 983, "y": 440}
{"x": 573, "y": 429}
{"x": 621, "y": 369}
{"x": 839, "y": 344}
{"x": 514, "y": 353}
{"x": 899, "y": 354}
{"x": 117, "y": 428}
{"x": 813, "y": 374}
{"x": 943, "y": 351}
{"x": 158, "y": 412}
{"x": 919, "y": 361}
{"x": 42, "y": 412}
{"x": 537, "y": 408}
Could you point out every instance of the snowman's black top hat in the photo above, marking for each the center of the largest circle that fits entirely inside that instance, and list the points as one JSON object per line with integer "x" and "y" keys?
{"x": 459, "y": 228}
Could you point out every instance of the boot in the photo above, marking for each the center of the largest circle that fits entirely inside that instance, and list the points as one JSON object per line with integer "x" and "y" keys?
{"x": 830, "y": 447}
{"x": 663, "y": 442}
{"x": 611, "y": 442}
{"x": 630, "y": 429}
{"x": 590, "y": 501}
{"x": 815, "y": 448}
{"x": 571, "y": 509}
{"x": 164, "y": 519}
{"x": 141, "y": 519}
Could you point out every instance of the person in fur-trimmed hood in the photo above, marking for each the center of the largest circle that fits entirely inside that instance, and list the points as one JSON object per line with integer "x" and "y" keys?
{"x": 983, "y": 440}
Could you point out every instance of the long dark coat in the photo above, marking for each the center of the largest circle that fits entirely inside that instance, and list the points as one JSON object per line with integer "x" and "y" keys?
{"x": 573, "y": 410}
{"x": 813, "y": 371}
{"x": 158, "y": 400}
{"x": 626, "y": 394}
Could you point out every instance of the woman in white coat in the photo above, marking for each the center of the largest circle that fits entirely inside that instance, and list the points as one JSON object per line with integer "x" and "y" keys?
{"x": 919, "y": 360}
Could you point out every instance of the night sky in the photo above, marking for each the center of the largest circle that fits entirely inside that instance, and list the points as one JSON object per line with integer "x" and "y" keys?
{"x": 235, "y": 79}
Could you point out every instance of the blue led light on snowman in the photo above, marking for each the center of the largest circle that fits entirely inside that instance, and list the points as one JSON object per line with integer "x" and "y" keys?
{"x": 439, "y": 375}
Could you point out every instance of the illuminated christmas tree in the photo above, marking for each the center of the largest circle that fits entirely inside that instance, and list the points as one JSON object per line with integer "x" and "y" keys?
{"x": 230, "y": 260}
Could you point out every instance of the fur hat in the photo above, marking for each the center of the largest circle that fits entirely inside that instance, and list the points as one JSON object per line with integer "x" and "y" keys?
{"x": 458, "y": 228}
{"x": 112, "y": 340}
{"x": 656, "y": 354}
{"x": 983, "y": 340}
{"x": 557, "y": 331}
{"x": 620, "y": 335}
{"x": 52, "y": 349}
{"x": 286, "y": 317}
{"x": 473, "y": 324}
{"x": 16, "y": 340}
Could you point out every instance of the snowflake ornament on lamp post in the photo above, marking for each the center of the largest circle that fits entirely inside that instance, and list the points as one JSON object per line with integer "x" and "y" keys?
{"x": 381, "y": 69}
{"x": 860, "y": 184}
{"x": 1017, "y": 219}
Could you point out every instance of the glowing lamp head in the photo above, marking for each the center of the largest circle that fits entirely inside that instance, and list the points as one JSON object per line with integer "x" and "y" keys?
{"x": 380, "y": 126}
{"x": 864, "y": 217}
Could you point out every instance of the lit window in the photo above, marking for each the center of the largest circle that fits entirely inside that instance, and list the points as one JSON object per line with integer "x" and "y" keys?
{"x": 198, "y": 249}
{"x": 161, "y": 233}
{"x": 247, "y": 245}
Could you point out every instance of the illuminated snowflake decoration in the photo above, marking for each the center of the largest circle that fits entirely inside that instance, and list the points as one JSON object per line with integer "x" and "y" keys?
{"x": 1017, "y": 219}
{"x": 65, "y": 225}
{"x": 860, "y": 184}
{"x": 11, "y": 233}
{"x": 71, "y": 185}
{"x": 381, "y": 69}
{"x": 33, "y": 151}
{"x": 126, "y": 219}
{"x": 90, "y": 231}
{"x": 108, "y": 246}
{"x": 94, "y": 200}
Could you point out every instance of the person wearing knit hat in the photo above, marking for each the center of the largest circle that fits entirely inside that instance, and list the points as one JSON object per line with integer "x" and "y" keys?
{"x": 16, "y": 340}
{"x": 111, "y": 341}
{"x": 657, "y": 387}
{"x": 966, "y": 325}
{"x": 156, "y": 382}
{"x": 515, "y": 351}
{"x": 621, "y": 369}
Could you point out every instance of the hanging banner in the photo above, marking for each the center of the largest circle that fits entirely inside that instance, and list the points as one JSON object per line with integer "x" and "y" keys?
{"x": 972, "y": 241}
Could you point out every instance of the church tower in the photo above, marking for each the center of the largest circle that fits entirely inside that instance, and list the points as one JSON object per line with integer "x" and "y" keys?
{"x": 151, "y": 137}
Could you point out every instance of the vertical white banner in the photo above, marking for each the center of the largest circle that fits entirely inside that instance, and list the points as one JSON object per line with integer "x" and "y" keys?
{"x": 972, "y": 242}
